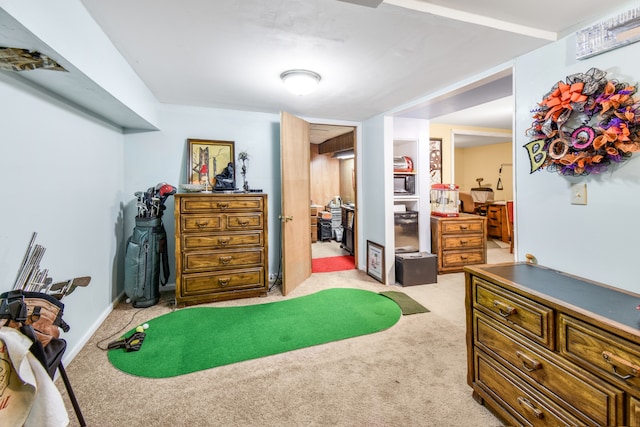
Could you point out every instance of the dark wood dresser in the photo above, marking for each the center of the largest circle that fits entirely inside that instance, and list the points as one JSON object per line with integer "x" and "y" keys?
{"x": 458, "y": 241}
{"x": 546, "y": 348}
{"x": 221, "y": 247}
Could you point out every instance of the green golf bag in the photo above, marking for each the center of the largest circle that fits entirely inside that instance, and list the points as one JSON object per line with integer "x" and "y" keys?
{"x": 146, "y": 252}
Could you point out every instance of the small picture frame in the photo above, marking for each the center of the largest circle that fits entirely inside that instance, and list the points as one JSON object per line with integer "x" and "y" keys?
{"x": 211, "y": 162}
{"x": 375, "y": 261}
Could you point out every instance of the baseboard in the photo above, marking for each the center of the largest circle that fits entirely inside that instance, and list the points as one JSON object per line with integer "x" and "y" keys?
{"x": 72, "y": 352}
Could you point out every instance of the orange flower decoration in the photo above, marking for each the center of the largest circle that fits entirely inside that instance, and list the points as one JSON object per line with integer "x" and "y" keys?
{"x": 562, "y": 98}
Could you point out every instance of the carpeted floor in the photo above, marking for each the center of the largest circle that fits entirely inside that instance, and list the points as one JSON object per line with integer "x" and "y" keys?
{"x": 413, "y": 374}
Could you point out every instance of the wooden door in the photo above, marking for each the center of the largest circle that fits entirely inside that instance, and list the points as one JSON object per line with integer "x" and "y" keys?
{"x": 295, "y": 214}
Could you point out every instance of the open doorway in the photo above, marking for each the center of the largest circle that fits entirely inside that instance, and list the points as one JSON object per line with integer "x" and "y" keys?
{"x": 333, "y": 197}
{"x": 480, "y": 162}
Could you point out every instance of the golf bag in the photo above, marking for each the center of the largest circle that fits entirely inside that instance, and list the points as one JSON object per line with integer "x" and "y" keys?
{"x": 146, "y": 252}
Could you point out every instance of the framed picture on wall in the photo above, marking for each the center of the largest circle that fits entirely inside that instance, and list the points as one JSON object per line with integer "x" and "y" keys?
{"x": 435, "y": 161}
{"x": 375, "y": 261}
{"x": 211, "y": 161}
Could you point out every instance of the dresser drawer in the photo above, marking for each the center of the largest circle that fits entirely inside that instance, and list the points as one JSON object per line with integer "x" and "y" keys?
{"x": 527, "y": 317}
{"x": 462, "y": 242}
{"x": 201, "y": 223}
{"x": 217, "y": 241}
{"x": 209, "y": 260}
{"x": 246, "y": 221}
{"x": 220, "y": 204}
{"x": 457, "y": 227}
{"x": 601, "y": 352}
{"x": 460, "y": 258}
{"x": 528, "y": 406}
{"x": 204, "y": 283}
{"x": 599, "y": 402}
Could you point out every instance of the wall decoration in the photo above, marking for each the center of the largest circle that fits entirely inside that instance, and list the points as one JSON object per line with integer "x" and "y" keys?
{"x": 584, "y": 125}
{"x": 435, "y": 161}
{"x": 211, "y": 163}
{"x": 375, "y": 261}
{"x": 612, "y": 33}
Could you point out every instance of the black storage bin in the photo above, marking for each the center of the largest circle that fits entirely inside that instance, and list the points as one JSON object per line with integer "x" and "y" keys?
{"x": 417, "y": 268}
{"x": 324, "y": 229}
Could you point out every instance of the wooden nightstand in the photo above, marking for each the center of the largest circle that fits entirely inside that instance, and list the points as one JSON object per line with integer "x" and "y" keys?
{"x": 458, "y": 241}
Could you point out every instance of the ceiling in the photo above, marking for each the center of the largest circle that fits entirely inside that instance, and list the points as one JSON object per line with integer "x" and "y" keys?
{"x": 230, "y": 53}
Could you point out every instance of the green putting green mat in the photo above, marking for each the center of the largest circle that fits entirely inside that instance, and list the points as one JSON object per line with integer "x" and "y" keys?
{"x": 193, "y": 339}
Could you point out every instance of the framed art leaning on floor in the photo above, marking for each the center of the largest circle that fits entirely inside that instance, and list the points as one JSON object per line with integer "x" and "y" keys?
{"x": 375, "y": 261}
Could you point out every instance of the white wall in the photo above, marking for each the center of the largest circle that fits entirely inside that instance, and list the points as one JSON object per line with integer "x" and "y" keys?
{"x": 601, "y": 240}
{"x": 62, "y": 174}
{"x": 376, "y": 157}
{"x": 161, "y": 156}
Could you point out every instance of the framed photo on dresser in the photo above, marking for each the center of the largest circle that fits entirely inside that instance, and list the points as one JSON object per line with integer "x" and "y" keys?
{"x": 208, "y": 159}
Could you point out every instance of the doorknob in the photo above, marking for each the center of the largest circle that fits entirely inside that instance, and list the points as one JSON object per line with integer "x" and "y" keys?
{"x": 285, "y": 218}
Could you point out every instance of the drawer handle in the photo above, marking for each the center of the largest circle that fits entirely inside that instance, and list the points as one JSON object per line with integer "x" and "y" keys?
{"x": 243, "y": 222}
{"x": 223, "y": 206}
{"x": 504, "y": 309}
{"x": 464, "y": 227}
{"x": 223, "y": 241}
{"x": 528, "y": 364}
{"x": 526, "y": 404}
{"x": 202, "y": 224}
{"x": 224, "y": 281}
{"x": 616, "y": 360}
{"x": 225, "y": 259}
{"x": 463, "y": 242}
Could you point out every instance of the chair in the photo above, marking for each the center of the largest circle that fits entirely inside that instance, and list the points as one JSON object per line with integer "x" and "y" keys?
{"x": 51, "y": 358}
{"x": 510, "y": 217}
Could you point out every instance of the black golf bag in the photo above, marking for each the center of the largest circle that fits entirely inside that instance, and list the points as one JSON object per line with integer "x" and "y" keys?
{"x": 146, "y": 249}
{"x": 146, "y": 252}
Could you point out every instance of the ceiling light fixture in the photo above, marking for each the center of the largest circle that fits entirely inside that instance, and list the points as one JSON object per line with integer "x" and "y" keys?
{"x": 345, "y": 154}
{"x": 300, "y": 82}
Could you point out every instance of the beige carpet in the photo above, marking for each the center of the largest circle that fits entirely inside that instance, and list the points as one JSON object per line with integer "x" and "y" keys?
{"x": 413, "y": 374}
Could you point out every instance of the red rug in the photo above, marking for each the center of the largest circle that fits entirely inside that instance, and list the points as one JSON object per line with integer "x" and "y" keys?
{"x": 333, "y": 263}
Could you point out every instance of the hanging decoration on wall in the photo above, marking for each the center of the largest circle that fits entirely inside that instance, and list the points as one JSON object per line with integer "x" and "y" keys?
{"x": 584, "y": 125}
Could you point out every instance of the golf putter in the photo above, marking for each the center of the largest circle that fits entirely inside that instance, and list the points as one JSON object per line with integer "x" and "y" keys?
{"x": 133, "y": 343}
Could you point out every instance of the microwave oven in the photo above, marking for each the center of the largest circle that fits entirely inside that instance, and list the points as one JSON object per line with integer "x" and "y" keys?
{"x": 404, "y": 184}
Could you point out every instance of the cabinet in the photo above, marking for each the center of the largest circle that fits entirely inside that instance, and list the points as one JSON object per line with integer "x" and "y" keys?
{"x": 336, "y": 219}
{"x": 221, "y": 247}
{"x": 547, "y": 348}
{"x": 498, "y": 222}
{"x": 348, "y": 222}
{"x": 458, "y": 241}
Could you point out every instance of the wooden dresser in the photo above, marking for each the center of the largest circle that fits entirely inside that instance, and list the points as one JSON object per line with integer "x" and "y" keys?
{"x": 498, "y": 222}
{"x": 458, "y": 241}
{"x": 221, "y": 247}
{"x": 549, "y": 349}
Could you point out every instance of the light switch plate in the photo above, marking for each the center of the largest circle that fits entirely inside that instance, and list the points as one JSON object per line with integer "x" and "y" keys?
{"x": 579, "y": 194}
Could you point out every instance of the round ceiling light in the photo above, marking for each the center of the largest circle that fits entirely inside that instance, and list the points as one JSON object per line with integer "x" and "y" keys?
{"x": 300, "y": 82}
